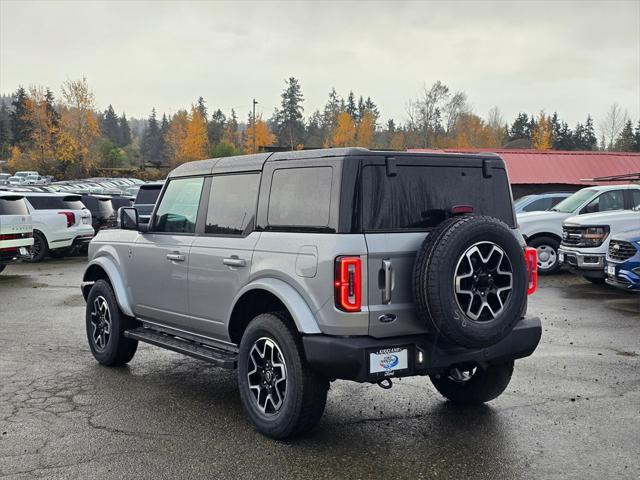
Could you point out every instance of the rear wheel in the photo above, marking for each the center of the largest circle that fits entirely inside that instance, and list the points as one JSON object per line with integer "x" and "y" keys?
{"x": 280, "y": 393}
{"x": 105, "y": 325}
{"x": 40, "y": 247}
{"x": 472, "y": 385}
{"x": 547, "y": 248}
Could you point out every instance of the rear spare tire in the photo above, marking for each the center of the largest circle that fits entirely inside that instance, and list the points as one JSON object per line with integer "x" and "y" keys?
{"x": 470, "y": 281}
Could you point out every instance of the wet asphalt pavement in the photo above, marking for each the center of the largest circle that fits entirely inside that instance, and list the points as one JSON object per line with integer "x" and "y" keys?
{"x": 572, "y": 410}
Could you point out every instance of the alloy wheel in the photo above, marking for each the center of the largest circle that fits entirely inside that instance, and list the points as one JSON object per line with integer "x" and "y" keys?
{"x": 267, "y": 375}
{"x": 100, "y": 323}
{"x": 483, "y": 281}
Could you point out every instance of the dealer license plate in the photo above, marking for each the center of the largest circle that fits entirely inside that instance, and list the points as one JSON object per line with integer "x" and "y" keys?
{"x": 388, "y": 360}
{"x": 611, "y": 270}
{"x": 24, "y": 252}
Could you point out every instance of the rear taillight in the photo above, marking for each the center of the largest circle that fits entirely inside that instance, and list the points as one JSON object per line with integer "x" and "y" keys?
{"x": 15, "y": 236}
{"x": 348, "y": 284}
{"x": 71, "y": 218}
{"x": 531, "y": 261}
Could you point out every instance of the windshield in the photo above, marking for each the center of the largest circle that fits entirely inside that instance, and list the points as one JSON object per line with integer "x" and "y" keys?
{"x": 569, "y": 204}
{"x": 522, "y": 200}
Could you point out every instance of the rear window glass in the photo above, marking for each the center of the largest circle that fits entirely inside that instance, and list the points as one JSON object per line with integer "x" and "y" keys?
{"x": 300, "y": 197}
{"x": 148, "y": 196}
{"x": 13, "y": 206}
{"x": 51, "y": 203}
{"x": 421, "y": 196}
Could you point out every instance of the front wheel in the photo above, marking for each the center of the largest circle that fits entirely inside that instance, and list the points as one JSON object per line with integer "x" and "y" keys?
{"x": 106, "y": 325}
{"x": 472, "y": 385}
{"x": 547, "y": 248}
{"x": 280, "y": 393}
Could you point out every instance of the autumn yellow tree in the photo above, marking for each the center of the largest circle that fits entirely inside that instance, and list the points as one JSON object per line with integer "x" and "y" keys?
{"x": 263, "y": 135}
{"x": 366, "y": 130}
{"x": 79, "y": 128}
{"x": 472, "y": 132}
{"x": 541, "y": 138}
{"x": 344, "y": 133}
{"x": 195, "y": 145}
{"x": 397, "y": 141}
{"x": 44, "y": 129}
{"x": 175, "y": 137}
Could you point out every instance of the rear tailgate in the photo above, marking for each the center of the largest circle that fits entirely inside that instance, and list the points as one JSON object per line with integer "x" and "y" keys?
{"x": 16, "y": 229}
{"x": 403, "y": 199}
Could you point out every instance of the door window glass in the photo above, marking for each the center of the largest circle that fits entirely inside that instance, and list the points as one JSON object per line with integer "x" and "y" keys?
{"x": 635, "y": 198}
{"x": 538, "y": 205}
{"x": 613, "y": 200}
{"x": 232, "y": 204}
{"x": 178, "y": 209}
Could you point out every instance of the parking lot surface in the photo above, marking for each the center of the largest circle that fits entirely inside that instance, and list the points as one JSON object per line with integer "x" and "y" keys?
{"x": 572, "y": 410}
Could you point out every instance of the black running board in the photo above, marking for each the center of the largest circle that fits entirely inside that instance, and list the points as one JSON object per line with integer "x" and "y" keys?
{"x": 217, "y": 356}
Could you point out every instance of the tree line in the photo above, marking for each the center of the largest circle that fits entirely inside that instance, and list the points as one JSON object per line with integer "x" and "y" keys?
{"x": 68, "y": 137}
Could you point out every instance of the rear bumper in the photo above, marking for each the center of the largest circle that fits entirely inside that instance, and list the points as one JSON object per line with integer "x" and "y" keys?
{"x": 13, "y": 254}
{"x": 347, "y": 358}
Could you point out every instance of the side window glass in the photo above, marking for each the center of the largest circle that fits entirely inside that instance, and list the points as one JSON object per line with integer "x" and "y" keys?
{"x": 635, "y": 198}
{"x": 232, "y": 204}
{"x": 538, "y": 205}
{"x": 178, "y": 209}
{"x": 300, "y": 197}
{"x": 607, "y": 201}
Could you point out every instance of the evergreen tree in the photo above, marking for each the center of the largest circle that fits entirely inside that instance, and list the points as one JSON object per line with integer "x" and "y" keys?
{"x": 164, "y": 148}
{"x": 231, "y": 130}
{"x": 51, "y": 110}
{"x": 287, "y": 121}
{"x": 150, "y": 145}
{"x": 313, "y": 136}
{"x": 125, "y": 131}
{"x": 201, "y": 107}
{"x": 369, "y": 106}
{"x": 520, "y": 127}
{"x": 6, "y": 134}
{"x": 564, "y": 138}
{"x": 361, "y": 109}
{"x": 215, "y": 128}
{"x": 20, "y": 125}
{"x": 350, "y": 106}
{"x": 636, "y": 138}
{"x": 590, "y": 139}
{"x": 579, "y": 137}
{"x": 626, "y": 140}
{"x": 330, "y": 113}
{"x": 556, "y": 128}
{"x": 110, "y": 127}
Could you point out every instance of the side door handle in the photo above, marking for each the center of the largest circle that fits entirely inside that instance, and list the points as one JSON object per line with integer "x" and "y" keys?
{"x": 234, "y": 261}
{"x": 388, "y": 281}
{"x": 176, "y": 257}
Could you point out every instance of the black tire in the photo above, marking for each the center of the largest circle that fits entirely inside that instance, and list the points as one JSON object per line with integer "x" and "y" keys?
{"x": 550, "y": 246}
{"x": 596, "y": 280}
{"x": 435, "y": 275}
{"x": 60, "y": 252}
{"x": 117, "y": 349}
{"x": 40, "y": 248}
{"x": 483, "y": 386}
{"x": 305, "y": 391}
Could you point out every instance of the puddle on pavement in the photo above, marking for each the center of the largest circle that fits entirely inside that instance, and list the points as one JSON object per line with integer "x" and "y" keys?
{"x": 20, "y": 281}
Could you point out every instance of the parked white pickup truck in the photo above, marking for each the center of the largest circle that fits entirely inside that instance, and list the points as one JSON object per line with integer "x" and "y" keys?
{"x": 543, "y": 230}
{"x": 16, "y": 230}
{"x": 585, "y": 240}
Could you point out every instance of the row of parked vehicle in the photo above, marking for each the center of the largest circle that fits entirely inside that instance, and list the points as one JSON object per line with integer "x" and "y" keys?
{"x": 594, "y": 232}
{"x": 62, "y": 218}
{"x": 24, "y": 178}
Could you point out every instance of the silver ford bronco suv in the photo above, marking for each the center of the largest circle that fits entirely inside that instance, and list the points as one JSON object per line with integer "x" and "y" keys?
{"x": 300, "y": 268}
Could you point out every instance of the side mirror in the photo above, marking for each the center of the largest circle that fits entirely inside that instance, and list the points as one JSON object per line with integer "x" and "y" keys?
{"x": 129, "y": 219}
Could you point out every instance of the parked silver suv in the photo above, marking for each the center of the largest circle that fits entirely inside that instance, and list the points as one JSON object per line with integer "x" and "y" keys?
{"x": 300, "y": 268}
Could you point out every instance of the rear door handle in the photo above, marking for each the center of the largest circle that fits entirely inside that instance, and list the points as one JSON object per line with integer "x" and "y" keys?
{"x": 234, "y": 261}
{"x": 176, "y": 257}
{"x": 388, "y": 281}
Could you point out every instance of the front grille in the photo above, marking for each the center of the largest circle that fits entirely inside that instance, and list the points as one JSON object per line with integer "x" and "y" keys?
{"x": 620, "y": 251}
{"x": 572, "y": 235}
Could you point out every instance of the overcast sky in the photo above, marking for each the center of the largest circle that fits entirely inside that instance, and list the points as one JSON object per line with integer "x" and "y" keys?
{"x": 576, "y": 57}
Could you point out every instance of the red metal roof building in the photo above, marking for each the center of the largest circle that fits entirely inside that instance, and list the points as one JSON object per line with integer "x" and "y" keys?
{"x": 537, "y": 171}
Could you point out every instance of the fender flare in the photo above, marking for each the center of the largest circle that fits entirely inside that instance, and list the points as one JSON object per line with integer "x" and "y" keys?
{"x": 109, "y": 266}
{"x": 296, "y": 305}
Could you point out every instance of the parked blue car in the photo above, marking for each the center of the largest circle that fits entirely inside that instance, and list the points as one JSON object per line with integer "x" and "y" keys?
{"x": 539, "y": 201}
{"x": 622, "y": 264}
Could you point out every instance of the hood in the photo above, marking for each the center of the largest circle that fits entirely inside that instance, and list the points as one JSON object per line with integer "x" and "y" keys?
{"x": 630, "y": 236}
{"x": 526, "y": 217}
{"x": 630, "y": 216}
